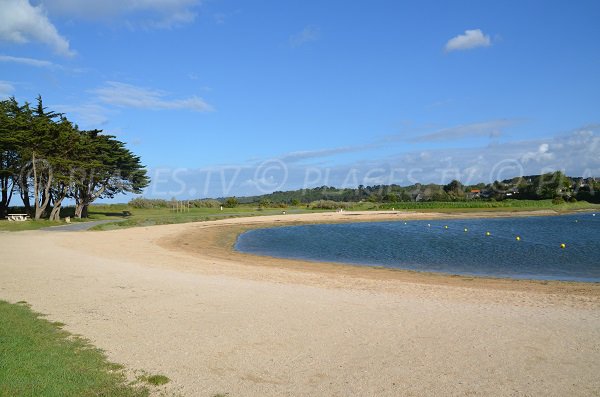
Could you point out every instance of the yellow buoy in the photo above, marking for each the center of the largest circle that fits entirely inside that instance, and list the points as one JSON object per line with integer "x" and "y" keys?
{"x": 487, "y": 233}
{"x": 445, "y": 227}
{"x": 518, "y": 238}
{"x": 466, "y": 230}
{"x": 563, "y": 245}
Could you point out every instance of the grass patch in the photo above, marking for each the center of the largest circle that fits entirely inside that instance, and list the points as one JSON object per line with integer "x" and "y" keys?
{"x": 164, "y": 216}
{"x": 157, "y": 380}
{"x": 38, "y": 358}
{"x": 26, "y": 225}
{"x": 136, "y": 217}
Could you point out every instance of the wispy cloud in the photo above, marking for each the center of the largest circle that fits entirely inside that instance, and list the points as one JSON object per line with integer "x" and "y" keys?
{"x": 127, "y": 95}
{"x": 575, "y": 152}
{"x": 492, "y": 129}
{"x": 298, "y": 156}
{"x": 20, "y": 22}
{"x": 86, "y": 115}
{"x": 469, "y": 40}
{"x": 38, "y": 63}
{"x": 6, "y": 89}
{"x": 136, "y": 13}
{"x": 308, "y": 34}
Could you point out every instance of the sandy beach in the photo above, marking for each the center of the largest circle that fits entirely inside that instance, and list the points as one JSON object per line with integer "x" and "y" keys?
{"x": 177, "y": 300}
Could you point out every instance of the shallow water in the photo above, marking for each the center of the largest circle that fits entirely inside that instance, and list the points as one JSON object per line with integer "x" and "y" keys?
{"x": 429, "y": 246}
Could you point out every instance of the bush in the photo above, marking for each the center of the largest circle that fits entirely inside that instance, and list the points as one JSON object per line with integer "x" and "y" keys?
{"x": 230, "y": 202}
{"x": 558, "y": 200}
{"x": 330, "y": 205}
{"x": 205, "y": 203}
{"x": 140, "y": 202}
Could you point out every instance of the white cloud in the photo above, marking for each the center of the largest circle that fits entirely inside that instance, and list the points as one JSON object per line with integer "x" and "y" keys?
{"x": 6, "y": 89}
{"x": 20, "y": 22}
{"x": 127, "y": 95}
{"x": 39, "y": 63}
{"x": 308, "y": 34}
{"x": 576, "y": 153}
{"x": 469, "y": 40}
{"x": 492, "y": 129}
{"x": 86, "y": 115}
{"x": 144, "y": 13}
{"x": 541, "y": 154}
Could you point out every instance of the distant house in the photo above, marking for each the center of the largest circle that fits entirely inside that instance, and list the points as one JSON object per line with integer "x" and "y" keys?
{"x": 474, "y": 193}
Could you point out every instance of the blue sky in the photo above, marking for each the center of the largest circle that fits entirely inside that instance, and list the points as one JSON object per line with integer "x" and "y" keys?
{"x": 227, "y": 97}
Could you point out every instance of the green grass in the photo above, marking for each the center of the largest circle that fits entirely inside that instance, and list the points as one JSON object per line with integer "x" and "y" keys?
{"x": 162, "y": 216}
{"x": 38, "y": 358}
{"x": 25, "y": 225}
{"x": 105, "y": 213}
{"x": 157, "y": 380}
{"x": 506, "y": 205}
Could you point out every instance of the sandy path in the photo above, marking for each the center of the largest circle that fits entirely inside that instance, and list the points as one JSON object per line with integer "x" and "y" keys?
{"x": 244, "y": 325}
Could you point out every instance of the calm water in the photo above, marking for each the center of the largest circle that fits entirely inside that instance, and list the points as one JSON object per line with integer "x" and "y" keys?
{"x": 417, "y": 246}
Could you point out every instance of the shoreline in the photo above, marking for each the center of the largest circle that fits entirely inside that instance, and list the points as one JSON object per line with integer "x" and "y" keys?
{"x": 217, "y": 241}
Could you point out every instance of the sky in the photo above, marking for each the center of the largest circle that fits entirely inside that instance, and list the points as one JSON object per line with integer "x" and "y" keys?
{"x": 226, "y": 97}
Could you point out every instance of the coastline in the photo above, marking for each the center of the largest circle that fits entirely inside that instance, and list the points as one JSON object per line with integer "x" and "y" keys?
{"x": 217, "y": 242}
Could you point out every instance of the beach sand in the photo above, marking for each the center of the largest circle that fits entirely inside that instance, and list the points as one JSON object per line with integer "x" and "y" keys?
{"x": 177, "y": 300}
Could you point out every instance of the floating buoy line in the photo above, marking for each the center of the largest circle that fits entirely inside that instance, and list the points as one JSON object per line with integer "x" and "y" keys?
{"x": 488, "y": 233}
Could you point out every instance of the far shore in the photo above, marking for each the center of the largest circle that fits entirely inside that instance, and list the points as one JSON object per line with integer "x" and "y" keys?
{"x": 217, "y": 240}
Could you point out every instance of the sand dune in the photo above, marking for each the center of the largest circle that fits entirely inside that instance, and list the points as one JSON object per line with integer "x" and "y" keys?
{"x": 176, "y": 300}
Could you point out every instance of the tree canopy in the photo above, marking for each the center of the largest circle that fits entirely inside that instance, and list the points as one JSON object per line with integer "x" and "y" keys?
{"x": 46, "y": 158}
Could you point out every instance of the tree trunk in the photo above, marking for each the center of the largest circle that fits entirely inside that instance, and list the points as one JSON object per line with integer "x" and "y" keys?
{"x": 79, "y": 210}
{"x": 62, "y": 193}
{"x": 55, "y": 213}
{"x": 41, "y": 203}
{"x": 5, "y": 198}
{"x": 24, "y": 192}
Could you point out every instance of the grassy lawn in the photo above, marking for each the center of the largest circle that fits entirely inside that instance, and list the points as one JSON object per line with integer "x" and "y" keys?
{"x": 38, "y": 358}
{"x": 161, "y": 216}
{"x": 105, "y": 213}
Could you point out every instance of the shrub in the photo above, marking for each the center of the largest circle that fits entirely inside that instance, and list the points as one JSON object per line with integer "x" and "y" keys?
{"x": 330, "y": 205}
{"x": 140, "y": 202}
{"x": 205, "y": 203}
{"x": 231, "y": 202}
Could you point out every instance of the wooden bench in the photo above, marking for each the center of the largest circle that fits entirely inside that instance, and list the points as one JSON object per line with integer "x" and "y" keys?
{"x": 18, "y": 217}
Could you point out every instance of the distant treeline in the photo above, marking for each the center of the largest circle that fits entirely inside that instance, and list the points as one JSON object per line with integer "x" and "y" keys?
{"x": 45, "y": 158}
{"x": 553, "y": 186}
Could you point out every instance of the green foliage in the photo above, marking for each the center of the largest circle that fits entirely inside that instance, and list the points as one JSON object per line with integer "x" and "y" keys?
{"x": 330, "y": 205}
{"x": 156, "y": 380}
{"x": 534, "y": 187}
{"x": 38, "y": 358}
{"x": 231, "y": 202}
{"x": 476, "y": 204}
{"x": 46, "y": 158}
